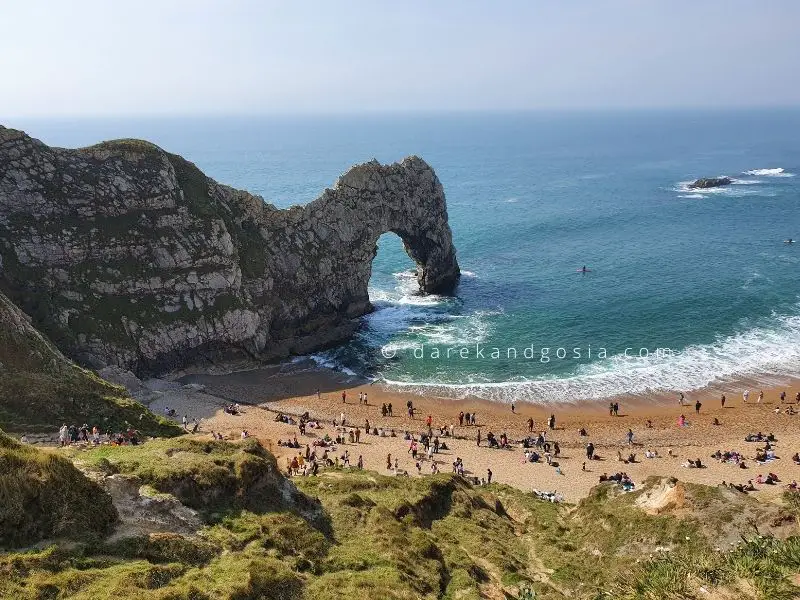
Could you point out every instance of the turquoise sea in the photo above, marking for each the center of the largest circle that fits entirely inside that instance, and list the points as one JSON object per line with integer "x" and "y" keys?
{"x": 699, "y": 287}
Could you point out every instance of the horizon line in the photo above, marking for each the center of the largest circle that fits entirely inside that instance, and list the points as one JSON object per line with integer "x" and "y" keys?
{"x": 398, "y": 111}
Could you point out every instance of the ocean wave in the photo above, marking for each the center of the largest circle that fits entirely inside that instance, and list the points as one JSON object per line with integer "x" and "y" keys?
{"x": 326, "y": 361}
{"x": 776, "y": 172}
{"x": 692, "y": 196}
{"x": 469, "y": 274}
{"x": 764, "y": 351}
{"x": 736, "y": 190}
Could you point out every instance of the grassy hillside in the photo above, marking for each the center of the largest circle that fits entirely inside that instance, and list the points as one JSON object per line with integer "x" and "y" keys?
{"x": 43, "y": 495}
{"x": 370, "y": 536}
{"x": 40, "y": 389}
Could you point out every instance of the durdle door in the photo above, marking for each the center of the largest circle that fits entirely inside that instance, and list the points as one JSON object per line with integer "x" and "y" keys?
{"x": 125, "y": 254}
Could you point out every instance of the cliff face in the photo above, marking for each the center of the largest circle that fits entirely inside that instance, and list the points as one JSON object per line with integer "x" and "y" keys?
{"x": 125, "y": 254}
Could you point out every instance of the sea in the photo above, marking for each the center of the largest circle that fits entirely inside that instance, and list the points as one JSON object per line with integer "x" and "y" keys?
{"x": 684, "y": 288}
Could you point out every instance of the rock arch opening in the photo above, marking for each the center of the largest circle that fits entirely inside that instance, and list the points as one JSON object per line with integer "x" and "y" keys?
{"x": 393, "y": 271}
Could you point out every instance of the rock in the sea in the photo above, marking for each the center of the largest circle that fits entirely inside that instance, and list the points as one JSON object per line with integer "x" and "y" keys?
{"x": 710, "y": 182}
{"x": 127, "y": 255}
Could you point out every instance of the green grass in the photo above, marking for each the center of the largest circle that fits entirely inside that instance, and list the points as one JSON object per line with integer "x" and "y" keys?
{"x": 371, "y": 536}
{"x": 43, "y": 495}
{"x": 40, "y": 389}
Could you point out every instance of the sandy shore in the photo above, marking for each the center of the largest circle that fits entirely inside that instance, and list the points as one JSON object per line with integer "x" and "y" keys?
{"x": 292, "y": 390}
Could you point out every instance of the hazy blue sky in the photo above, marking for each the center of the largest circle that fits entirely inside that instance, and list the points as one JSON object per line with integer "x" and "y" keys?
{"x": 239, "y": 56}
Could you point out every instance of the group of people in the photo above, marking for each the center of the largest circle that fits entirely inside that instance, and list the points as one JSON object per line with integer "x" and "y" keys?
{"x": 72, "y": 434}
{"x": 466, "y": 418}
{"x": 623, "y": 479}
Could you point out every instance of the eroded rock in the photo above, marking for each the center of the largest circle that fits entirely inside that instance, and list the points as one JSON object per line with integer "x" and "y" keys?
{"x": 127, "y": 255}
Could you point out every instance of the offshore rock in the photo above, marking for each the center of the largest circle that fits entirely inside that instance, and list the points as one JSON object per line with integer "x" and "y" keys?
{"x": 127, "y": 255}
{"x": 710, "y": 182}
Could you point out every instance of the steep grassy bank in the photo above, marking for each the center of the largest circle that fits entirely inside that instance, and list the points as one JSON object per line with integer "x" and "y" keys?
{"x": 357, "y": 534}
{"x": 40, "y": 389}
{"x": 44, "y": 496}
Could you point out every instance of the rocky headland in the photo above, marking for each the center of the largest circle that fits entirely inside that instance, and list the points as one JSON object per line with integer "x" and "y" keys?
{"x": 124, "y": 254}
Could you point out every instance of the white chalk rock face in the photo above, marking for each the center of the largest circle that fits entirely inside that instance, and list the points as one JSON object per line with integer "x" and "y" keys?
{"x": 127, "y": 255}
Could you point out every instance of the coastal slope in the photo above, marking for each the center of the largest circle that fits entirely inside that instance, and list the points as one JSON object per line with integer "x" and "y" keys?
{"x": 40, "y": 388}
{"x": 193, "y": 518}
{"x": 125, "y": 254}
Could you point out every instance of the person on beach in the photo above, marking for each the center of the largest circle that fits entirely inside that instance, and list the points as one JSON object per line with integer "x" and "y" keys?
{"x": 466, "y": 418}
{"x": 682, "y": 421}
{"x": 479, "y": 437}
{"x": 760, "y": 397}
{"x": 366, "y": 403}
{"x": 590, "y": 450}
{"x": 488, "y": 476}
{"x": 680, "y": 398}
{"x": 745, "y": 396}
{"x": 722, "y": 401}
{"x": 551, "y": 423}
{"x": 513, "y": 408}
{"x": 384, "y": 410}
{"x": 616, "y": 409}
{"x": 461, "y": 418}
{"x": 429, "y": 421}
{"x": 630, "y": 437}
{"x": 783, "y": 396}
{"x": 389, "y": 462}
{"x": 797, "y": 397}
{"x": 360, "y": 462}
{"x": 344, "y": 397}
{"x": 610, "y": 409}
{"x": 472, "y": 417}
{"x": 530, "y": 425}
{"x": 697, "y": 406}
{"x": 318, "y": 395}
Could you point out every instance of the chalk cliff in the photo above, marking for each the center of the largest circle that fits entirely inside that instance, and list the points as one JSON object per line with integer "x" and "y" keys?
{"x": 125, "y": 254}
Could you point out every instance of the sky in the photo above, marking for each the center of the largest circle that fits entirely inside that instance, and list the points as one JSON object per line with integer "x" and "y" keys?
{"x": 208, "y": 57}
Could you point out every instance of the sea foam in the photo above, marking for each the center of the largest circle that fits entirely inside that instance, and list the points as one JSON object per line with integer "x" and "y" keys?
{"x": 776, "y": 172}
{"x": 771, "y": 349}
